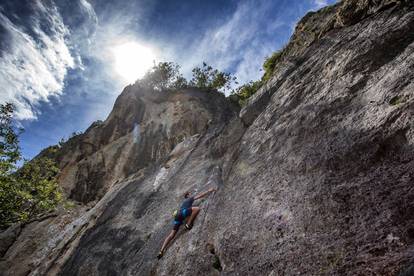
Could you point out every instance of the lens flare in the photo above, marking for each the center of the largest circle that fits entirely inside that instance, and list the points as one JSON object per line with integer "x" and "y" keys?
{"x": 132, "y": 60}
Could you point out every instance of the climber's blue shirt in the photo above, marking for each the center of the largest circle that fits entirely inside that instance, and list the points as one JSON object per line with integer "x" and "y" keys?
{"x": 187, "y": 203}
{"x": 185, "y": 211}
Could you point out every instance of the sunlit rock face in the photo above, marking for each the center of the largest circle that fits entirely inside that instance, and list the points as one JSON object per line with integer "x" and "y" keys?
{"x": 314, "y": 175}
{"x": 141, "y": 131}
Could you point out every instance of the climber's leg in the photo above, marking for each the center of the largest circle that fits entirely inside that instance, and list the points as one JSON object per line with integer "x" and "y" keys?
{"x": 194, "y": 213}
{"x": 166, "y": 241}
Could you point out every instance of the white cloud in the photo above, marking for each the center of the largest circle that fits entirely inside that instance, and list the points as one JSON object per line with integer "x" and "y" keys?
{"x": 34, "y": 66}
{"x": 320, "y": 3}
{"x": 89, "y": 9}
{"x": 238, "y": 43}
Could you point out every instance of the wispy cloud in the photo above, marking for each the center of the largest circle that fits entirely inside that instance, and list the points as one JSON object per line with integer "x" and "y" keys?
{"x": 34, "y": 65}
{"x": 254, "y": 31}
{"x": 320, "y": 3}
{"x": 240, "y": 44}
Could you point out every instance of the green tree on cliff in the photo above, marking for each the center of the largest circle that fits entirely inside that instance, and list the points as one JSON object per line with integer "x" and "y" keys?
{"x": 163, "y": 76}
{"x": 270, "y": 64}
{"x": 30, "y": 190}
{"x": 167, "y": 76}
{"x": 208, "y": 77}
{"x": 242, "y": 93}
{"x": 246, "y": 90}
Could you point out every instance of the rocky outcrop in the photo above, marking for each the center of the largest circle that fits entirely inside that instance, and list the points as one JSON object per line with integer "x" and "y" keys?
{"x": 314, "y": 175}
{"x": 142, "y": 129}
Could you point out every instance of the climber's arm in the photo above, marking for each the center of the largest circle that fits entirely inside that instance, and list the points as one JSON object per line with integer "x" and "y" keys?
{"x": 204, "y": 193}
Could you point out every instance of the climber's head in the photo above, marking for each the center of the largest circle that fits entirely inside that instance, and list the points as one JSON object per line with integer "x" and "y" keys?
{"x": 187, "y": 194}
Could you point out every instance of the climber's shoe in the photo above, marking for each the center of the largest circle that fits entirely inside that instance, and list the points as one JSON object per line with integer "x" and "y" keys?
{"x": 160, "y": 254}
{"x": 188, "y": 226}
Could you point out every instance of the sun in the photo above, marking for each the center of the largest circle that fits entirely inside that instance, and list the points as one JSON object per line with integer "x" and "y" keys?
{"x": 132, "y": 60}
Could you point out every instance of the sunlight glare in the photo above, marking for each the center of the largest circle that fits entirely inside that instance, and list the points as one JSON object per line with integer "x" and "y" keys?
{"x": 132, "y": 60}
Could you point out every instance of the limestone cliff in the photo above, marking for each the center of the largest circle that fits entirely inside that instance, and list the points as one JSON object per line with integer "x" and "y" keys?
{"x": 314, "y": 175}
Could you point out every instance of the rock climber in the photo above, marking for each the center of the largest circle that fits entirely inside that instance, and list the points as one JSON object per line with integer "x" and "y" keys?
{"x": 186, "y": 212}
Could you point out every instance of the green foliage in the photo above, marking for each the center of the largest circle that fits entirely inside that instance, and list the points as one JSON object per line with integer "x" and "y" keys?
{"x": 164, "y": 76}
{"x": 246, "y": 90}
{"x": 50, "y": 151}
{"x": 397, "y": 100}
{"x": 270, "y": 64}
{"x": 208, "y": 77}
{"x": 9, "y": 143}
{"x": 167, "y": 76}
{"x": 32, "y": 189}
{"x": 217, "y": 263}
{"x": 242, "y": 93}
{"x": 67, "y": 204}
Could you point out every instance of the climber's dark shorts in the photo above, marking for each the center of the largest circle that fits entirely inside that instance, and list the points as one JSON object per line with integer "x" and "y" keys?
{"x": 179, "y": 219}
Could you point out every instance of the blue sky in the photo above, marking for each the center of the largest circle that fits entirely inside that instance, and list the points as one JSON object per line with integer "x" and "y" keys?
{"x": 57, "y": 61}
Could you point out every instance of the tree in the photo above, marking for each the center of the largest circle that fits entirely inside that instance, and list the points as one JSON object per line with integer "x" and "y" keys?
{"x": 208, "y": 77}
{"x": 9, "y": 155}
{"x": 30, "y": 190}
{"x": 244, "y": 91}
{"x": 164, "y": 76}
{"x": 38, "y": 187}
{"x": 9, "y": 143}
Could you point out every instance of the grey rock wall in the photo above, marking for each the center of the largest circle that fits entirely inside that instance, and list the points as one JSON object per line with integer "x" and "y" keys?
{"x": 314, "y": 176}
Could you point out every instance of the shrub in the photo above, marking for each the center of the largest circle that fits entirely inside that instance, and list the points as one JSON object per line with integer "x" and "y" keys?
{"x": 397, "y": 100}
{"x": 30, "y": 190}
{"x": 9, "y": 143}
{"x": 270, "y": 64}
{"x": 242, "y": 93}
{"x": 246, "y": 90}
{"x": 208, "y": 77}
{"x": 167, "y": 76}
{"x": 164, "y": 75}
{"x": 217, "y": 263}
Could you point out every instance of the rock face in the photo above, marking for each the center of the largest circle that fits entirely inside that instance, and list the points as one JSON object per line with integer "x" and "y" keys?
{"x": 141, "y": 131}
{"x": 315, "y": 175}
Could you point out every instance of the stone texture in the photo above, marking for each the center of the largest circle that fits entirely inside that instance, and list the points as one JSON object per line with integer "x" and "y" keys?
{"x": 8, "y": 237}
{"x": 314, "y": 175}
{"x": 143, "y": 127}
